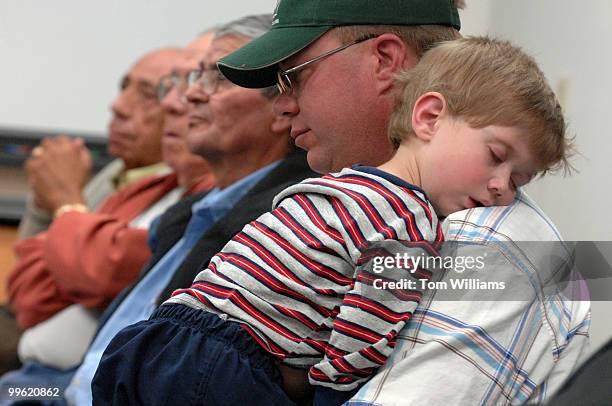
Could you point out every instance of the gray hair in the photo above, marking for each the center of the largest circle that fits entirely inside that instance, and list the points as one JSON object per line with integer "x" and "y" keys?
{"x": 250, "y": 26}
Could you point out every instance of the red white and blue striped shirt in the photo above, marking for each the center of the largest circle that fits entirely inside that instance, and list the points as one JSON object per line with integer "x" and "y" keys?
{"x": 293, "y": 277}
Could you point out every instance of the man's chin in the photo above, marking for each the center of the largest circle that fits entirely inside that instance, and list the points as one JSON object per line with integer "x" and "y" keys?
{"x": 118, "y": 151}
{"x": 317, "y": 163}
{"x": 172, "y": 161}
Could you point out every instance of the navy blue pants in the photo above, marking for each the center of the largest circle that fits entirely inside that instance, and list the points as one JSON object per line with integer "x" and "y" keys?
{"x": 183, "y": 356}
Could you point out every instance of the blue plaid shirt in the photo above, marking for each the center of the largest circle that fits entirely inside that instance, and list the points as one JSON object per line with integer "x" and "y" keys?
{"x": 472, "y": 352}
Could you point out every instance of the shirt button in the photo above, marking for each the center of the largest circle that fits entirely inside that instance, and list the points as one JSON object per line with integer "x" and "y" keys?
{"x": 223, "y": 316}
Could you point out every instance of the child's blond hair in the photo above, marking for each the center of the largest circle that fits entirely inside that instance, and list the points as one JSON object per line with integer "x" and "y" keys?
{"x": 487, "y": 82}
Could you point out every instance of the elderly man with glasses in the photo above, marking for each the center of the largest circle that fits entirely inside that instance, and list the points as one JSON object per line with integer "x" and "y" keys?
{"x": 54, "y": 347}
{"x": 65, "y": 276}
{"x": 60, "y": 167}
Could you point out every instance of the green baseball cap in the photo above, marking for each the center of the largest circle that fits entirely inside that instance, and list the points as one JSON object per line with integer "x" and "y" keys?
{"x": 298, "y": 23}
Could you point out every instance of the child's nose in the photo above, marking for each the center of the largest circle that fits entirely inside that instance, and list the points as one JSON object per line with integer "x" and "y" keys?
{"x": 502, "y": 190}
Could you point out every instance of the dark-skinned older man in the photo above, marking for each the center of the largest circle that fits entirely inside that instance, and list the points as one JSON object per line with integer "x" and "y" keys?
{"x": 59, "y": 169}
{"x": 60, "y": 173}
{"x": 53, "y": 349}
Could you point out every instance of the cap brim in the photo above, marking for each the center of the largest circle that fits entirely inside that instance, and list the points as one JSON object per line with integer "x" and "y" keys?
{"x": 255, "y": 64}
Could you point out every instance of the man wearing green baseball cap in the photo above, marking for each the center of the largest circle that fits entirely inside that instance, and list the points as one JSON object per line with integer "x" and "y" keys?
{"x": 334, "y": 63}
{"x": 340, "y": 57}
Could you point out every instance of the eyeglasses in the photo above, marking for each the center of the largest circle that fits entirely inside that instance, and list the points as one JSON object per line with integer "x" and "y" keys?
{"x": 287, "y": 78}
{"x": 168, "y": 82}
{"x": 211, "y": 78}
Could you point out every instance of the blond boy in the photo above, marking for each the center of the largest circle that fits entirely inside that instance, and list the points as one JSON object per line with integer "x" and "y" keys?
{"x": 475, "y": 120}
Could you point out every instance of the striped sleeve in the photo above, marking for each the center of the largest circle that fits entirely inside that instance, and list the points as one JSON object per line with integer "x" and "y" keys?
{"x": 369, "y": 319}
{"x": 371, "y": 218}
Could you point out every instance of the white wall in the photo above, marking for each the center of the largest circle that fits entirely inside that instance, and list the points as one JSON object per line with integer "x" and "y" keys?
{"x": 476, "y": 17}
{"x": 61, "y": 60}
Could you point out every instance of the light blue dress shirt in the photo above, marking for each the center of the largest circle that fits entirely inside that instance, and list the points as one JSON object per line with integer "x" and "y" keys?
{"x": 141, "y": 301}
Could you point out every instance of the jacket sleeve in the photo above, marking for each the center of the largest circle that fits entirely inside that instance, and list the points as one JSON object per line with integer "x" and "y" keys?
{"x": 368, "y": 321}
{"x": 85, "y": 258}
{"x": 93, "y": 256}
{"x": 370, "y": 223}
{"x": 33, "y": 294}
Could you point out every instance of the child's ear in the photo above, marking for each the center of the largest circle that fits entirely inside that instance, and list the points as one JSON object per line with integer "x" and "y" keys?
{"x": 281, "y": 124}
{"x": 428, "y": 110}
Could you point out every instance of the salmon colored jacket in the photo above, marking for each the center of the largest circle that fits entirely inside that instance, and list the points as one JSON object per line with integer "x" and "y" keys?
{"x": 87, "y": 258}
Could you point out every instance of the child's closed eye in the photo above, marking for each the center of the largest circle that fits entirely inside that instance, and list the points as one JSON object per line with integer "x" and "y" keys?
{"x": 496, "y": 156}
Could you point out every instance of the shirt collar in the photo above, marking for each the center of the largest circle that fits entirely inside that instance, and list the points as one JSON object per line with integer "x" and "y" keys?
{"x": 128, "y": 176}
{"x": 218, "y": 201}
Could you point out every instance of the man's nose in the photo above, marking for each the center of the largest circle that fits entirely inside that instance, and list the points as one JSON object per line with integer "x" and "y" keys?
{"x": 286, "y": 105}
{"x": 174, "y": 102}
{"x": 195, "y": 93}
{"x": 121, "y": 104}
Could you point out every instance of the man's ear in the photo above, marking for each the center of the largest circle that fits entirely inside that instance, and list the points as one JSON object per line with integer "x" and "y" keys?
{"x": 392, "y": 55}
{"x": 280, "y": 124}
{"x": 428, "y": 110}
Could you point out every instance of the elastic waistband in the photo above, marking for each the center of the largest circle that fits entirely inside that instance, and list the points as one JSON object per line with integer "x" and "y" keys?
{"x": 211, "y": 325}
